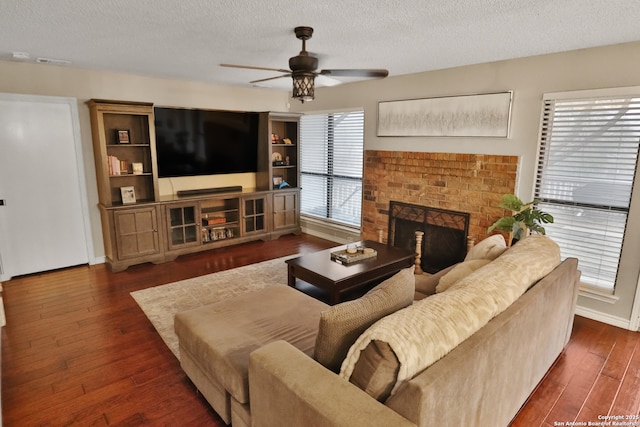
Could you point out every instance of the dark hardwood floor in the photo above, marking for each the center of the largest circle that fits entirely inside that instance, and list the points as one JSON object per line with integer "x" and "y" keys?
{"x": 77, "y": 350}
{"x": 597, "y": 375}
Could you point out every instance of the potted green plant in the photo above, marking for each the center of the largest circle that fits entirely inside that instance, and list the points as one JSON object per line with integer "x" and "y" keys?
{"x": 526, "y": 218}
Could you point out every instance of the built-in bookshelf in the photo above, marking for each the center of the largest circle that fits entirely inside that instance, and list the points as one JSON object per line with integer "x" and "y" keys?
{"x": 140, "y": 226}
{"x": 279, "y": 154}
{"x": 124, "y": 149}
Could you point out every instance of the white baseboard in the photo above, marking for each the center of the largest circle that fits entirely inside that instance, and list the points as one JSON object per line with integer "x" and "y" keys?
{"x": 98, "y": 260}
{"x": 3, "y": 319}
{"x": 324, "y": 230}
{"x": 326, "y": 236}
{"x": 604, "y": 318}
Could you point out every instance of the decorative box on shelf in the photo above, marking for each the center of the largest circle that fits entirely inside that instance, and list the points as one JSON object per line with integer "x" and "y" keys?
{"x": 214, "y": 220}
{"x": 345, "y": 257}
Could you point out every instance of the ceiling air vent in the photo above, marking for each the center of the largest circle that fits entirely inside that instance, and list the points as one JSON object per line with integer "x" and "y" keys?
{"x": 52, "y": 61}
{"x": 20, "y": 56}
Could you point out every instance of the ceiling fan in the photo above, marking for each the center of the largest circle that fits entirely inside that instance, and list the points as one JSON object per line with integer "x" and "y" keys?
{"x": 303, "y": 69}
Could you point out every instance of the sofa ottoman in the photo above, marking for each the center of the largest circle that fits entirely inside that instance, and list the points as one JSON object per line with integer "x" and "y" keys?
{"x": 216, "y": 340}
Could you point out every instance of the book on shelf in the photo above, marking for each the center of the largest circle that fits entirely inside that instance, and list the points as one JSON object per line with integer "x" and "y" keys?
{"x": 214, "y": 221}
{"x": 117, "y": 166}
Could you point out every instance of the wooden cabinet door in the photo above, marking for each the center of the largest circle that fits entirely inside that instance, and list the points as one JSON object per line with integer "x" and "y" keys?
{"x": 285, "y": 210}
{"x": 136, "y": 232}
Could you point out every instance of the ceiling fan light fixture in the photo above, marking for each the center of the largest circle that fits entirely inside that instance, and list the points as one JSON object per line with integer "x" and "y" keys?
{"x": 303, "y": 68}
{"x": 303, "y": 86}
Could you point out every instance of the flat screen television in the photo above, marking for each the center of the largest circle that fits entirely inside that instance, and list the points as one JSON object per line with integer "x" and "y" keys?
{"x": 193, "y": 142}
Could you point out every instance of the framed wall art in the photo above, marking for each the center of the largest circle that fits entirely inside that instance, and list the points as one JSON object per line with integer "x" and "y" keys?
{"x": 483, "y": 115}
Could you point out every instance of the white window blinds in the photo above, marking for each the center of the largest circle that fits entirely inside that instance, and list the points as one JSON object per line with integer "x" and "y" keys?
{"x": 586, "y": 166}
{"x": 331, "y": 156}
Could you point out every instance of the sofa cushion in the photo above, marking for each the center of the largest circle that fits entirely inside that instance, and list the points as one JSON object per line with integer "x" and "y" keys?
{"x": 421, "y": 334}
{"x": 490, "y": 248}
{"x": 220, "y": 336}
{"x": 341, "y": 324}
{"x": 460, "y": 271}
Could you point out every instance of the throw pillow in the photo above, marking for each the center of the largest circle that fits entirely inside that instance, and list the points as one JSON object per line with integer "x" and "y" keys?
{"x": 490, "y": 248}
{"x": 343, "y": 323}
{"x": 460, "y": 271}
{"x": 376, "y": 370}
{"x": 426, "y": 283}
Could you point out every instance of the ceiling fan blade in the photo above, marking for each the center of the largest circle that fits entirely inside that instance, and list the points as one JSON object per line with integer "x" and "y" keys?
{"x": 271, "y": 78}
{"x": 374, "y": 73}
{"x": 249, "y": 67}
{"x": 327, "y": 81}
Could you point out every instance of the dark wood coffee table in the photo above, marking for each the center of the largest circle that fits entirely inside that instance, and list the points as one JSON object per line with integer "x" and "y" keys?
{"x": 319, "y": 270}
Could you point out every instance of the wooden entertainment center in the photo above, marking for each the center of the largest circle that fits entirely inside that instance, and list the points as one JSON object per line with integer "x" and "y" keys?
{"x": 139, "y": 225}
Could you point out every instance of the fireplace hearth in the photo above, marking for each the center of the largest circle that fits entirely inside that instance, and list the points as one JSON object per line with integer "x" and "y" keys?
{"x": 444, "y": 242}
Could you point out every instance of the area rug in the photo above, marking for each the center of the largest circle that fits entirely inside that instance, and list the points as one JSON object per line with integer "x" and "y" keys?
{"x": 161, "y": 303}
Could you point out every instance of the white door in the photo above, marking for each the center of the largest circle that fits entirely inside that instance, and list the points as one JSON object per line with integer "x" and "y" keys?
{"x": 42, "y": 226}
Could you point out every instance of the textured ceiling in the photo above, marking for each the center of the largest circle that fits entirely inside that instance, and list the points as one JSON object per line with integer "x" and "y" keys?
{"x": 188, "y": 39}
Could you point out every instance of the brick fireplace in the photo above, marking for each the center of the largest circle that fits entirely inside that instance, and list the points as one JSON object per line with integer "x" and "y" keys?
{"x": 472, "y": 183}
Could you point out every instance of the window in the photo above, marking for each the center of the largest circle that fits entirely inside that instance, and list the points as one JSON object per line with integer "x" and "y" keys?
{"x": 586, "y": 166}
{"x": 331, "y": 153}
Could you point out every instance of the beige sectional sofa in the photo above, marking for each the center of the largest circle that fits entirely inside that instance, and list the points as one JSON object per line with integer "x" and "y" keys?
{"x": 470, "y": 354}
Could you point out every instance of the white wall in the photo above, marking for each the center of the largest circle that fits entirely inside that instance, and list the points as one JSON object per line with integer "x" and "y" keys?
{"x": 39, "y": 79}
{"x": 529, "y": 78}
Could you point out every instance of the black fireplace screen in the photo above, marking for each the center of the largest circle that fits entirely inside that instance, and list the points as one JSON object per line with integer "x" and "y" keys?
{"x": 445, "y": 233}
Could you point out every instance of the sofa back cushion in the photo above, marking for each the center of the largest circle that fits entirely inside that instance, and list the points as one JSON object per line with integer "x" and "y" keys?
{"x": 481, "y": 254}
{"x": 490, "y": 248}
{"x": 460, "y": 271}
{"x": 343, "y": 323}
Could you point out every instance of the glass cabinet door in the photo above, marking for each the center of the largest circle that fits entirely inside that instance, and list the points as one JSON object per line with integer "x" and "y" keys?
{"x": 183, "y": 228}
{"x": 254, "y": 215}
